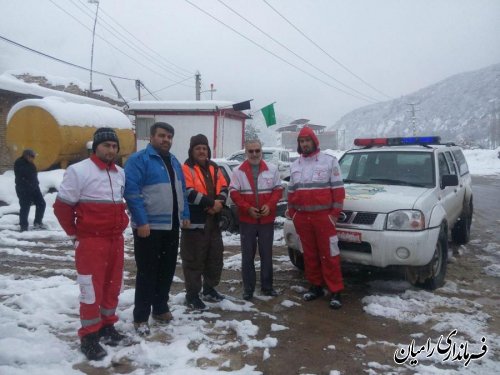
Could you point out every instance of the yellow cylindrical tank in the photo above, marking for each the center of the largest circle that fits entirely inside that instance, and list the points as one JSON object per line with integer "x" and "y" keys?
{"x": 59, "y": 131}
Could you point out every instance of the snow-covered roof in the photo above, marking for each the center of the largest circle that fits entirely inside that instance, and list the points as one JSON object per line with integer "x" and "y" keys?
{"x": 180, "y": 105}
{"x": 49, "y": 78}
{"x": 68, "y": 113}
{"x": 11, "y": 83}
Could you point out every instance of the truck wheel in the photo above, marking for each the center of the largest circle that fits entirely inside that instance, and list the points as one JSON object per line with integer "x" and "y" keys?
{"x": 432, "y": 275}
{"x": 297, "y": 258}
{"x": 460, "y": 234}
{"x": 227, "y": 222}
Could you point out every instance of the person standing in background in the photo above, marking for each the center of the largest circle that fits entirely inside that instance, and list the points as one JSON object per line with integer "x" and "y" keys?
{"x": 315, "y": 199}
{"x": 201, "y": 244}
{"x": 155, "y": 192}
{"x": 28, "y": 190}
{"x": 256, "y": 189}
{"x": 91, "y": 210}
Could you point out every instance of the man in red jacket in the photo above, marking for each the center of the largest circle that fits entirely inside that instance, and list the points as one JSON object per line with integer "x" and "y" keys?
{"x": 315, "y": 199}
{"x": 90, "y": 209}
{"x": 256, "y": 188}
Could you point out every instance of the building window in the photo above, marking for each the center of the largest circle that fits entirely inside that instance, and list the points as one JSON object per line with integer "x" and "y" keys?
{"x": 142, "y": 126}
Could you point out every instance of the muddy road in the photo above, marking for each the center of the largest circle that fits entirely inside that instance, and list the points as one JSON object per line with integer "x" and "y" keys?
{"x": 381, "y": 311}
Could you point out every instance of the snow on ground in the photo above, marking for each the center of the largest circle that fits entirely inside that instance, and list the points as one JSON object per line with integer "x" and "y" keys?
{"x": 443, "y": 311}
{"x": 445, "y": 314}
{"x": 483, "y": 162}
{"x": 39, "y": 314}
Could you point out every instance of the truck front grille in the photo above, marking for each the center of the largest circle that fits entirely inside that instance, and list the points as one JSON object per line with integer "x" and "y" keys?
{"x": 366, "y": 218}
{"x": 345, "y": 216}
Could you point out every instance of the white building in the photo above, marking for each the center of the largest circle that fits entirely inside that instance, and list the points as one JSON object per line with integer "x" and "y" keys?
{"x": 224, "y": 127}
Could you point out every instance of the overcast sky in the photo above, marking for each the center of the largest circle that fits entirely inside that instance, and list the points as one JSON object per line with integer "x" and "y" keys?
{"x": 394, "y": 46}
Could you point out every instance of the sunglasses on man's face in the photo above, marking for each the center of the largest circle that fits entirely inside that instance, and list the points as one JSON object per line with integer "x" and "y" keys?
{"x": 256, "y": 151}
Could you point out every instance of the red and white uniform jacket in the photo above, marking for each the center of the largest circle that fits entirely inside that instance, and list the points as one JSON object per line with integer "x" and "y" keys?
{"x": 316, "y": 185}
{"x": 90, "y": 199}
{"x": 245, "y": 194}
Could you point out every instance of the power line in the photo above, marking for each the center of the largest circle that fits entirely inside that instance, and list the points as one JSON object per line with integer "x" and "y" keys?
{"x": 275, "y": 55}
{"x": 122, "y": 38}
{"x": 110, "y": 44}
{"x": 141, "y": 42}
{"x": 150, "y": 93}
{"x": 63, "y": 61}
{"x": 166, "y": 87}
{"x": 326, "y": 53}
{"x": 296, "y": 54}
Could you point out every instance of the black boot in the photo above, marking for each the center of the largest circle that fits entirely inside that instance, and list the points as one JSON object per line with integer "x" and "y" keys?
{"x": 91, "y": 348}
{"x": 269, "y": 292}
{"x": 247, "y": 295}
{"x": 110, "y": 336}
{"x": 335, "y": 301}
{"x": 211, "y": 295}
{"x": 314, "y": 292}
{"x": 195, "y": 303}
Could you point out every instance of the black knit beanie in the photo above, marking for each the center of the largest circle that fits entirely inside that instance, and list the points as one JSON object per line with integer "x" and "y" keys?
{"x": 103, "y": 135}
{"x": 198, "y": 139}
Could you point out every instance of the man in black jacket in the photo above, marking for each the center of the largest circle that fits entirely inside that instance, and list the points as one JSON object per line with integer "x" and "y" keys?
{"x": 28, "y": 190}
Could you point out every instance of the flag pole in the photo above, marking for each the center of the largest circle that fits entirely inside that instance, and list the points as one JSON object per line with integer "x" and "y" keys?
{"x": 261, "y": 108}
{"x": 231, "y": 105}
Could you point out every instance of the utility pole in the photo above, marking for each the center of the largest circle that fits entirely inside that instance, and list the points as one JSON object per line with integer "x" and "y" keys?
{"x": 93, "y": 38}
{"x": 118, "y": 91}
{"x": 493, "y": 132}
{"x": 413, "y": 117}
{"x": 197, "y": 85}
{"x": 212, "y": 90}
{"x": 341, "y": 139}
{"x": 138, "y": 87}
{"x": 497, "y": 118}
{"x": 494, "y": 125}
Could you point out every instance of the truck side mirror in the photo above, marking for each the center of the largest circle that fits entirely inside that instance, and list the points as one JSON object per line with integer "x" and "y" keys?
{"x": 449, "y": 180}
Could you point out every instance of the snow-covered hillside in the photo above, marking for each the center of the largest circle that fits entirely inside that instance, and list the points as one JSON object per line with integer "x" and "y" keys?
{"x": 461, "y": 108}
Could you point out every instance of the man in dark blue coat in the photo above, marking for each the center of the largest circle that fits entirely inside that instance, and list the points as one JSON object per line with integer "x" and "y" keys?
{"x": 28, "y": 190}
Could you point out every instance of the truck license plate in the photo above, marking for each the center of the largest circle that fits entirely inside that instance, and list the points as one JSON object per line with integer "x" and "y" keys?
{"x": 349, "y": 236}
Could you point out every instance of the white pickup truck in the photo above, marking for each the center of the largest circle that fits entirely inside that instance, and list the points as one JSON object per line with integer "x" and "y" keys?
{"x": 404, "y": 198}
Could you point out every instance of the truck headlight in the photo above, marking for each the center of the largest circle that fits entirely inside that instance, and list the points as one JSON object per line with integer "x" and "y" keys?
{"x": 405, "y": 220}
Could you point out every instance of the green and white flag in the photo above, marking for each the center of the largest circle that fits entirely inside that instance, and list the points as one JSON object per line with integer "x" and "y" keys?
{"x": 269, "y": 115}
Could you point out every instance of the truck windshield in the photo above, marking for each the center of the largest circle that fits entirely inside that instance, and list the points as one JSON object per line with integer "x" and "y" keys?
{"x": 388, "y": 168}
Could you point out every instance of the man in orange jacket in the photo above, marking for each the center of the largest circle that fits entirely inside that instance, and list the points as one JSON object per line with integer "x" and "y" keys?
{"x": 256, "y": 189}
{"x": 201, "y": 243}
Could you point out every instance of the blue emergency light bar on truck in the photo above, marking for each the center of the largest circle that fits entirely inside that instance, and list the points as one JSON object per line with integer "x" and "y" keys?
{"x": 398, "y": 141}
